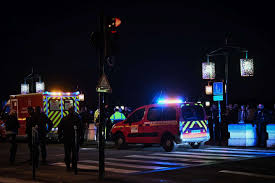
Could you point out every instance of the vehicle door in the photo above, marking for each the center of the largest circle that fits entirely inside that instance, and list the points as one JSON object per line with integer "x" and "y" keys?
{"x": 133, "y": 131}
{"x": 160, "y": 119}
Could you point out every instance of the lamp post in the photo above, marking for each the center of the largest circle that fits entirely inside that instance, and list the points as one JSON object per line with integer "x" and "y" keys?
{"x": 247, "y": 67}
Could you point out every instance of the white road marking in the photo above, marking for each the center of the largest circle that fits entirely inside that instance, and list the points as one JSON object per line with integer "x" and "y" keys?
{"x": 193, "y": 156}
{"x": 125, "y": 165}
{"x": 248, "y": 174}
{"x": 171, "y": 159}
{"x": 232, "y": 152}
{"x": 213, "y": 154}
{"x": 90, "y": 167}
{"x": 235, "y": 149}
{"x": 148, "y": 162}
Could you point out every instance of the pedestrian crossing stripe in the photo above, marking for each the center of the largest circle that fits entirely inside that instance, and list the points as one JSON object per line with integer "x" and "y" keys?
{"x": 162, "y": 161}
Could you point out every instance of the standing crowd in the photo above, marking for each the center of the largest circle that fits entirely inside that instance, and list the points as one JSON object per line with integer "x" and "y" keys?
{"x": 72, "y": 131}
{"x": 257, "y": 116}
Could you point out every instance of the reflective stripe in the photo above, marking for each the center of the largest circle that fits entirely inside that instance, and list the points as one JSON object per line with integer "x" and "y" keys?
{"x": 186, "y": 125}
{"x": 191, "y": 126}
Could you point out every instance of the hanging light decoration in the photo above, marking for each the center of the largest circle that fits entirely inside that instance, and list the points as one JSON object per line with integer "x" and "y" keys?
{"x": 39, "y": 87}
{"x": 208, "y": 70}
{"x": 247, "y": 67}
{"x": 208, "y": 90}
{"x": 25, "y": 88}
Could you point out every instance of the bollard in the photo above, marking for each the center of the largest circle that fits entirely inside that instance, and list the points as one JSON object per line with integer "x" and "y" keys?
{"x": 270, "y": 129}
{"x": 242, "y": 135}
{"x": 75, "y": 149}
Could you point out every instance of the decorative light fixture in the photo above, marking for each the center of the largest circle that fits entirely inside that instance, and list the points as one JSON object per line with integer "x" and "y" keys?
{"x": 247, "y": 67}
{"x": 207, "y": 103}
{"x": 25, "y": 88}
{"x": 81, "y": 97}
{"x": 39, "y": 87}
{"x": 208, "y": 70}
{"x": 208, "y": 90}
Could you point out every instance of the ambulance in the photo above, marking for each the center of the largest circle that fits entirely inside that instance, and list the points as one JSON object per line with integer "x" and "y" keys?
{"x": 169, "y": 122}
{"x": 54, "y": 104}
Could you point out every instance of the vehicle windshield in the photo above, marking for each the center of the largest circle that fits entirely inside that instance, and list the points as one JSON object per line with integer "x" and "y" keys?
{"x": 192, "y": 113}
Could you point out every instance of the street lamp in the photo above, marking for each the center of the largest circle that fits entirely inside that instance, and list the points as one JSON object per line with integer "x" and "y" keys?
{"x": 25, "y": 88}
{"x": 247, "y": 67}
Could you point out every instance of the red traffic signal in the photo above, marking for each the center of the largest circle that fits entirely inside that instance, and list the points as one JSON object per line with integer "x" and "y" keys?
{"x": 117, "y": 22}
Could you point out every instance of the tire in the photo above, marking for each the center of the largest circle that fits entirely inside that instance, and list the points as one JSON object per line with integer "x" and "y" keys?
{"x": 168, "y": 143}
{"x": 120, "y": 141}
{"x": 195, "y": 145}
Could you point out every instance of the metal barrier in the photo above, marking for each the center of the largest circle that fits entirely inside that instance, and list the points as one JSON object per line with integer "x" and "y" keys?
{"x": 270, "y": 129}
{"x": 242, "y": 135}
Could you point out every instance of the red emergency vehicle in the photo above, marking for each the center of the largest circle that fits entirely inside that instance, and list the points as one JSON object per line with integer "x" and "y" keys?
{"x": 166, "y": 124}
{"x": 54, "y": 104}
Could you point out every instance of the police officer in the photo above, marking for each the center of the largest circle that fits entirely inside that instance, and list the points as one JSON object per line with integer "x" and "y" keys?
{"x": 12, "y": 126}
{"x": 66, "y": 131}
{"x": 44, "y": 125}
{"x": 29, "y": 124}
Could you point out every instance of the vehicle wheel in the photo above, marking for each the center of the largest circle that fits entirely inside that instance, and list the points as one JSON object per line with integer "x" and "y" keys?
{"x": 120, "y": 141}
{"x": 168, "y": 143}
{"x": 195, "y": 145}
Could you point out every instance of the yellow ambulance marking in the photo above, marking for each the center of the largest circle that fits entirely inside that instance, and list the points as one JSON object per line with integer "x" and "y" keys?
{"x": 54, "y": 115}
{"x": 50, "y": 114}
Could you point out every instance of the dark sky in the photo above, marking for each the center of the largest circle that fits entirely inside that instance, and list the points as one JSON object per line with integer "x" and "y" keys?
{"x": 161, "y": 47}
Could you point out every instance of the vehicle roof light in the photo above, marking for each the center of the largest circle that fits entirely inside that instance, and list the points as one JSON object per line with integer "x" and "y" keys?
{"x": 169, "y": 101}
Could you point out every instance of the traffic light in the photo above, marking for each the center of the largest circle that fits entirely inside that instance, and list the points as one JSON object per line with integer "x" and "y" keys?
{"x": 112, "y": 23}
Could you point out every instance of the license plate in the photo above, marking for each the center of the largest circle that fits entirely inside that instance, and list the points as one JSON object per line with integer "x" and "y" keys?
{"x": 196, "y": 131}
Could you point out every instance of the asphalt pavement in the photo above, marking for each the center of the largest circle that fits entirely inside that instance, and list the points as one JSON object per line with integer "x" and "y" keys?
{"x": 145, "y": 164}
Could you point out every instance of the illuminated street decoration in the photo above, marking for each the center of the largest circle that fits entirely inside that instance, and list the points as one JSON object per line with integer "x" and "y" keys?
{"x": 208, "y": 90}
{"x": 208, "y": 70}
{"x": 207, "y": 103}
{"x": 247, "y": 67}
{"x": 25, "y": 88}
{"x": 81, "y": 97}
{"x": 40, "y": 87}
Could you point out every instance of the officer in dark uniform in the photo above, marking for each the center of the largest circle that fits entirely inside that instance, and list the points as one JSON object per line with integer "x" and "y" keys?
{"x": 12, "y": 126}
{"x": 66, "y": 131}
{"x": 29, "y": 124}
{"x": 44, "y": 125}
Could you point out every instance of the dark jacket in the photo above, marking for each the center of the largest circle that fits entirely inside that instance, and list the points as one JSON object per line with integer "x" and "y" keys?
{"x": 66, "y": 128}
{"x": 29, "y": 124}
{"x": 43, "y": 122}
{"x": 12, "y": 124}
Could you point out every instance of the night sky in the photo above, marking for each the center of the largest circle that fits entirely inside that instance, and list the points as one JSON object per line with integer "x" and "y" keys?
{"x": 161, "y": 47}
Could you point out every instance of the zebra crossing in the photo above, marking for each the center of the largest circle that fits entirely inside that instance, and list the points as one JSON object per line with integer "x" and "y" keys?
{"x": 163, "y": 161}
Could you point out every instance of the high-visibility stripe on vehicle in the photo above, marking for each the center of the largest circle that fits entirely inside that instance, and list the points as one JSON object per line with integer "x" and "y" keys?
{"x": 199, "y": 123}
{"x": 203, "y": 123}
{"x": 185, "y": 126}
{"x": 192, "y": 124}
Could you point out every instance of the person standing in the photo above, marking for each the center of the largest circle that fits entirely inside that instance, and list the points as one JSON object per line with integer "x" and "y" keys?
{"x": 242, "y": 117}
{"x": 85, "y": 117}
{"x": 66, "y": 131}
{"x": 44, "y": 125}
{"x": 261, "y": 120}
{"x": 29, "y": 124}
{"x": 117, "y": 117}
{"x": 12, "y": 126}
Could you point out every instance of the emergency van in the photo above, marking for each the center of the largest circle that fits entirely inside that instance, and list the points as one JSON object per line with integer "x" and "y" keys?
{"x": 54, "y": 104}
{"x": 166, "y": 124}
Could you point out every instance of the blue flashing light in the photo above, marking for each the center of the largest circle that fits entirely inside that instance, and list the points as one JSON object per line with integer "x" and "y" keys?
{"x": 170, "y": 101}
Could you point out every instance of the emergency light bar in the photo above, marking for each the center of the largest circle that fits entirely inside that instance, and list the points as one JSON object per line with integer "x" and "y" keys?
{"x": 170, "y": 101}
{"x": 61, "y": 93}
